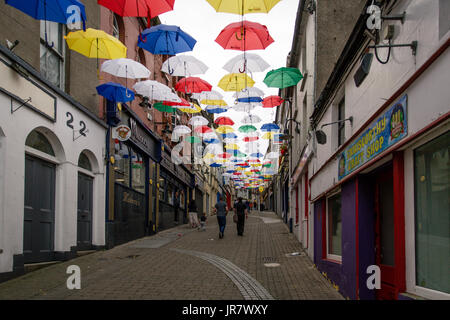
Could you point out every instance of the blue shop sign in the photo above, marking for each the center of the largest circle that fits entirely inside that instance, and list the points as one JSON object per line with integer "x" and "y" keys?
{"x": 387, "y": 130}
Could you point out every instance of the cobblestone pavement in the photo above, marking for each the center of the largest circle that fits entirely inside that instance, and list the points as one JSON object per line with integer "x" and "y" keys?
{"x": 183, "y": 263}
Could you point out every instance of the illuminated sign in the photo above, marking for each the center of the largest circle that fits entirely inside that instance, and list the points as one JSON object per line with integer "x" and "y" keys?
{"x": 387, "y": 130}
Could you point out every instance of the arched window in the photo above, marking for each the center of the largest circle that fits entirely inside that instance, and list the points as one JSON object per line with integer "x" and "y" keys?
{"x": 38, "y": 141}
{"x": 83, "y": 162}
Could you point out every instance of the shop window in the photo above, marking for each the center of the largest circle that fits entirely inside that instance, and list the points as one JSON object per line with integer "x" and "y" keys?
{"x": 162, "y": 189}
{"x": 83, "y": 162}
{"x": 334, "y": 227}
{"x": 38, "y": 141}
{"x": 170, "y": 193}
{"x": 432, "y": 219}
{"x": 137, "y": 172}
{"x": 52, "y": 52}
{"x": 122, "y": 165}
{"x": 182, "y": 197}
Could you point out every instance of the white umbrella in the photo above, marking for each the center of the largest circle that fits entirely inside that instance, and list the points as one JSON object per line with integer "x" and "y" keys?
{"x": 179, "y": 131}
{"x": 249, "y": 62}
{"x": 249, "y": 92}
{"x": 125, "y": 68}
{"x": 272, "y": 155}
{"x": 230, "y": 140}
{"x": 207, "y": 95}
{"x": 183, "y": 66}
{"x": 155, "y": 90}
{"x": 198, "y": 121}
{"x": 244, "y": 107}
{"x": 209, "y": 108}
{"x": 251, "y": 118}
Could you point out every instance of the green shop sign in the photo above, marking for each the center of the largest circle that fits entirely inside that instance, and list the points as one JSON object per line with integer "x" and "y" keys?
{"x": 387, "y": 130}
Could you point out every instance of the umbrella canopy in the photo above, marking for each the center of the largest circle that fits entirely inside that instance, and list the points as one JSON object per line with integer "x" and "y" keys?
{"x": 250, "y": 100}
{"x": 215, "y": 165}
{"x": 213, "y": 141}
{"x": 272, "y": 155}
{"x": 115, "y": 92}
{"x": 215, "y": 109}
{"x": 224, "y": 155}
{"x": 192, "y": 109}
{"x": 232, "y": 146}
{"x": 166, "y": 39}
{"x": 125, "y": 68}
{"x": 192, "y": 84}
{"x": 181, "y": 130}
{"x": 270, "y": 127}
{"x": 207, "y": 95}
{"x": 250, "y": 139}
{"x": 94, "y": 43}
{"x": 183, "y": 103}
{"x": 256, "y": 155}
{"x": 202, "y": 129}
{"x": 283, "y": 77}
{"x": 268, "y": 135}
{"x": 248, "y": 92}
{"x": 230, "y": 135}
{"x": 198, "y": 121}
{"x": 248, "y": 62}
{"x": 225, "y": 129}
{"x": 244, "y": 107}
{"x": 224, "y": 121}
{"x": 163, "y": 108}
{"x": 251, "y": 118}
{"x": 155, "y": 90}
{"x": 272, "y": 101}
{"x": 235, "y": 82}
{"x": 242, "y": 7}
{"x": 247, "y": 128}
{"x": 183, "y": 66}
{"x": 244, "y": 36}
{"x": 217, "y": 103}
{"x": 138, "y": 8}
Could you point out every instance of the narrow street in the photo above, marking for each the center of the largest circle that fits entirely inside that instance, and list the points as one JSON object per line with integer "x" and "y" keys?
{"x": 187, "y": 264}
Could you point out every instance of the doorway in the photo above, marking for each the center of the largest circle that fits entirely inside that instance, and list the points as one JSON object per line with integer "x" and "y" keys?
{"x": 84, "y": 212}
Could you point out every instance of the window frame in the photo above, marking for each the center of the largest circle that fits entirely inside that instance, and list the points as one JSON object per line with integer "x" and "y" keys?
{"x": 52, "y": 50}
{"x": 341, "y": 125}
{"x": 329, "y": 256}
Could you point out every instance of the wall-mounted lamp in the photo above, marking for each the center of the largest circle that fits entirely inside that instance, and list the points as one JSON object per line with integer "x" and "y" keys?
{"x": 322, "y": 137}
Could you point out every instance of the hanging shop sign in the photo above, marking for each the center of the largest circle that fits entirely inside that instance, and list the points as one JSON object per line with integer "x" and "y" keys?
{"x": 121, "y": 133}
{"x": 301, "y": 166}
{"x": 142, "y": 139}
{"x": 387, "y": 130}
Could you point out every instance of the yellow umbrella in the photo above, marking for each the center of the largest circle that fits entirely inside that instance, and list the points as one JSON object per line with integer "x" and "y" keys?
{"x": 209, "y": 102}
{"x": 256, "y": 164}
{"x": 232, "y": 146}
{"x": 222, "y": 160}
{"x": 193, "y": 109}
{"x": 225, "y": 129}
{"x": 94, "y": 43}
{"x": 209, "y": 156}
{"x": 243, "y": 7}
{"x": 268, "y": 135}
{"x": 235, "y": 82}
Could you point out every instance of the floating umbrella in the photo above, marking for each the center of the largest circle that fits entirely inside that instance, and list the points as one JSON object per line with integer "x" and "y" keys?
{"x": 198, "y": 120}
{"x": 155, "y": 90}
{"x": 138, "y": 8}
{"x": 50, "y": 10}
{"x": 283, "y": 77}
{"x": 250, "y": 139}
{"x": 215, "y": 165}
{"x": 256, "y": 155}
{"x": 224, "y": 121}
{"x": 180, "y": 131}
{"x": 224, "y": 155}
{"x": 183, "y": 66}
{"x": 247, "y": 128}
{"x": 232, "y": 146}
{"x": 166, "y": 39}
{"x": 248, "y": 92}
{"x": 272, "y": 101}
{"x": 244, "y": 107}
{"x": 182, "y": 103}
{"x": 192, "y": 109}
{"x": 215, "y": 109}
{"x": 97, "y": 44}
{"x": 251, "y": 119}
{"x": 250, "y": 100}
{"x": 192, "y": 84}
{"x": 203, "y": 129}
{"x": 229, "y": 140}
{"x": 246, "y": 62}
{"x": 217, "y": 103}
{"x": 268, "y": 135}
{"x": 244, "y": 36}
{"x": 243, "y": 7}
{"x": 125, "y": 68}
{"x": 207, "y": 95}
{"x": 231, "y": 135}
{"x": 163, "y": 108}
{"x": 115, "y": 92}
{"x": 270, "y": 127}
{"x": 225, "y": 129}
{"x": 272, "y": 155}
{"x": 211, "y": 141}
{"x": 235, "y": 82}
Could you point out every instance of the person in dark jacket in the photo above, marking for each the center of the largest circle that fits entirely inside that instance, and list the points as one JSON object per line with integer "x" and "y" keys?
{"x": 221, "y": 211}
{"x": 240, "y": 209}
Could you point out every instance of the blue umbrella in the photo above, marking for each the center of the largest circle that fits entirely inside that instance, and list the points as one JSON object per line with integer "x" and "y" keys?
{"x": 270, "y": 127}
{"x": 215, "y": 165}
{"x": 216, "y": 110}
{"x": 208, "y": 141}
{"x": 115, "y": 92}
{"x": 250, "y": 99}
{"x": 256, "y": 155}
{"x": 60, "y": 11}
{"x": 165, "y": 39}
{"x": 230, "y": 135}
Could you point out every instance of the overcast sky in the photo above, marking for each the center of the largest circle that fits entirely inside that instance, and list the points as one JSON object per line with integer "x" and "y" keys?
{"x": 199, "y": 19}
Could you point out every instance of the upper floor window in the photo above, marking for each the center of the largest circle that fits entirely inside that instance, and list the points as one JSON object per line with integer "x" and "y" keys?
{"x": 52, "y": 52}
{"x": 341, "y": 125}
{"x": 118, "y": 28}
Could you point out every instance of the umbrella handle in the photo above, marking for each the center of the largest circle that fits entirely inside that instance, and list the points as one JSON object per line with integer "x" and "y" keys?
{"x": 144, "y": 40}
{"x": 242, "y": 36}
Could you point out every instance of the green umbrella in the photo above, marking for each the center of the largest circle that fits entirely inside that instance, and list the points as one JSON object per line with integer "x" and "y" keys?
{"x": 283, "y": 77}
{"x": 163, "y": 108}
{"x": 267, "y": 165}
{"x": 193, "y": 139}
{"x": 247, "y": 128}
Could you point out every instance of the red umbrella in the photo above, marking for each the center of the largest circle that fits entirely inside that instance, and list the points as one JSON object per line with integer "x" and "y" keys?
{"x": 203, "y": 129}
{"x": 224, "y": 121}
{"x": 192, "y": 85}
{"x": 237, "y": 173}
{"x": 250, "y": 139}
{"x": 272, "y": 101}
{"x": 244, "y": 36}
{"x": 183, "y": 103}
{"x": 255, "y": 161}
{"x": 224, "y": 155}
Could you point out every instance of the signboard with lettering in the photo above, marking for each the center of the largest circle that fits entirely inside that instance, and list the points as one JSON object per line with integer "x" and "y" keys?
{"x": 387, "y": 130}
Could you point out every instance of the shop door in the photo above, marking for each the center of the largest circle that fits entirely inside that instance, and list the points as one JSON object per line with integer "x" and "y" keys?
{"x": 84, "y": 220}
{"x": 384, "y": 234}
{"x": 39, "y": 210}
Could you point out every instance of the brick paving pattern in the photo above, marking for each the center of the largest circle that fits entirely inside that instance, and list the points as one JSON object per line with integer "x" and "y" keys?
{"x": 183, "y": 263}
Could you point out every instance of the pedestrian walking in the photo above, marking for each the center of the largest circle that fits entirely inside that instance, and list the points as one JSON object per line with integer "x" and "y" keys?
{"x": 203, "y": 222}
{"x": 193, "y": 217}
{"x": 250, "y": 205}
{"x": 240, "y": 209}
{"x": 221, "y": 211}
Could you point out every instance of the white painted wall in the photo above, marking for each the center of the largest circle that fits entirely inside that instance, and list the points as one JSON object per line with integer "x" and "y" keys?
{"x": 16, "y": 128}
